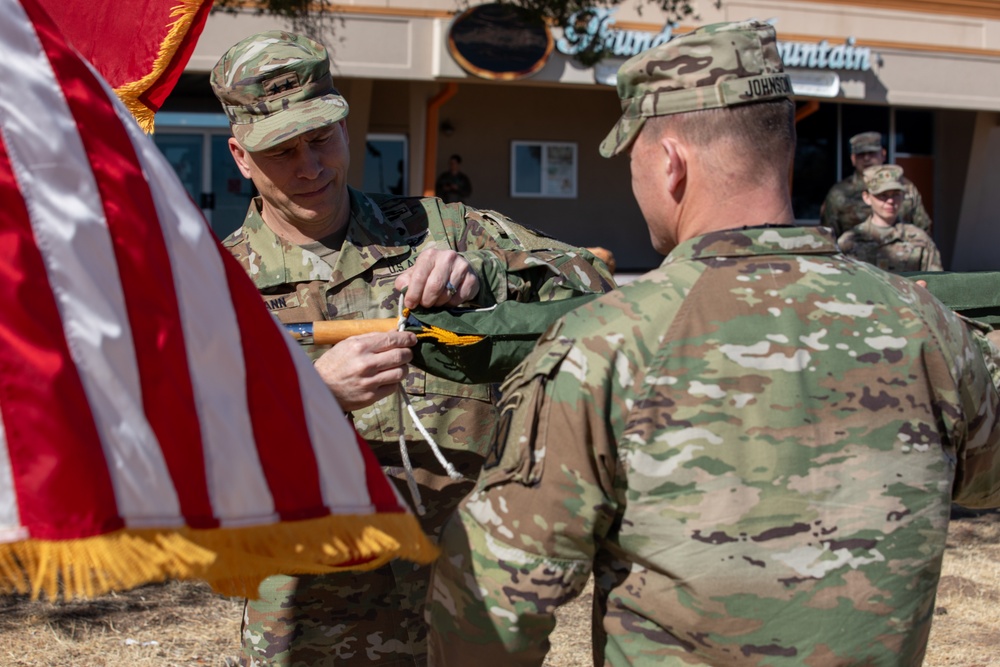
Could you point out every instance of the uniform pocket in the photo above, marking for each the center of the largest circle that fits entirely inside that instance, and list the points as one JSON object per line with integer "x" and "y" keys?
{"x": 515, "y": 454}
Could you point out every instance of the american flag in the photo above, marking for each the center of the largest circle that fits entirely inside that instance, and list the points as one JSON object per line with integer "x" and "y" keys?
{"x": 146, "y": 394}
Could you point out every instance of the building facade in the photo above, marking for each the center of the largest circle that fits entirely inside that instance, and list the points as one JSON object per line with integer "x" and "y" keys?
{"x": 526, "y": 111}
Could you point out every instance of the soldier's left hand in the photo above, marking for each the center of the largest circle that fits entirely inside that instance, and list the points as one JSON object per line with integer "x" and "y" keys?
{"x": 438, "y": 278}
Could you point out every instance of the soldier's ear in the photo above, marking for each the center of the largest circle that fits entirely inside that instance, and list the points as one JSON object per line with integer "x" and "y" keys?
{"x": 674, "y": 163}
{"x": 866, "y": 197}
{"x": 240, "y": 157}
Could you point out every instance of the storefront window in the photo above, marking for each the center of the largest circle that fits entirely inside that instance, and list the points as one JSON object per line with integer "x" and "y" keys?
{"x": 543, "y": 169}
{"x": 196, "y": 145}
{"x": 385, "y": 164}
{"x": 914, "y": 132}
{"x": 815, "y": 160}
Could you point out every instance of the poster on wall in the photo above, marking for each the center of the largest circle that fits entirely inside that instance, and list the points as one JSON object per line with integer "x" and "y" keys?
{"x": 543, "y": 169}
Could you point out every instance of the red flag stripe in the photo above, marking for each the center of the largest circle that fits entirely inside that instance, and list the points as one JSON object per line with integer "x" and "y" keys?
{"x": 237, "y": 482}
{"x": 343, "y": 469}
{"x": 383, "y": 493}
{"x": 144, "y": 274}
{"x": 275, "y": 405}
{"x": 63, "y": 492}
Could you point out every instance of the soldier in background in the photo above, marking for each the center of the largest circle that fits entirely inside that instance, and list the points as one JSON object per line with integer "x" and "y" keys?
{"x": 844, "y": 207}
{"x": 318, "y": 249}
{"x": 453, "y": 185}
{"x": 754, "y": 448}
{"x": 882, "y": 240}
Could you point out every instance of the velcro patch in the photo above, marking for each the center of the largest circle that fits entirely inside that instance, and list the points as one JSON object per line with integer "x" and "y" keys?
{"x": 281, "y": 85}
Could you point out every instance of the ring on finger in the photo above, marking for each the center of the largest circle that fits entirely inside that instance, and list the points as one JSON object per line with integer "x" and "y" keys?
{"x": 452, "y": 290}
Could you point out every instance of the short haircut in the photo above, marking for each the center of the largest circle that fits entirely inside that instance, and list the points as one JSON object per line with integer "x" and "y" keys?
{"x": 456, "y": 157}
{"x": 760, "y": 137}
{"x": 763, "y": 131}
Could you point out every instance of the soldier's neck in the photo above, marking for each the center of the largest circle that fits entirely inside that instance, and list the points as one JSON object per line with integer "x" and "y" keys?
{"x": 302, "y": 232}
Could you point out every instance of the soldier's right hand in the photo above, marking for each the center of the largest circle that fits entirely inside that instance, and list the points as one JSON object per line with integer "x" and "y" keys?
{"x": 365, "y": 368}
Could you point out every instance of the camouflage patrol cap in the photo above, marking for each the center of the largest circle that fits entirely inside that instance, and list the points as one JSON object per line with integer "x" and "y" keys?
{"x": 276, "y": 85}
{"x": 866, "y": 142}
{"x": 720, "y": 65}
{"x": 883, "y": 178}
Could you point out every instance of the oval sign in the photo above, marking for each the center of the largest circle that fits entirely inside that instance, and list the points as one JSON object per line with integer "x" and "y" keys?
{"x": 499, "y": 42}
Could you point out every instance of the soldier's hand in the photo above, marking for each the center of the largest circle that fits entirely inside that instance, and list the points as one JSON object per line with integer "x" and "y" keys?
{"x": 365, "y": 368}
{"x": 438, "y": 278}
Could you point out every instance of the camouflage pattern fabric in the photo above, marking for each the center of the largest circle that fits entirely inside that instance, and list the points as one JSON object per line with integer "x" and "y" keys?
{"x": 754, "y": 447}
{"x": 453, "y": 187}
{"x": 844, "y": 209}
{"x": 896, "y": 249}
{"x": 883, "y": 178}
{"x": 719, "y": 65}
{"x": 377, "y": 618}
{"x": 866, "y": 142}
{"x": 276, "y": 85}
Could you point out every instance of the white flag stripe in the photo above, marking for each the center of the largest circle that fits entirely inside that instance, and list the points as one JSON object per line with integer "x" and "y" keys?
{"x": 67, "y": 218}
{"x": 237, "y": 485}
{"x": 10, "y": 518}
{"x": 341, "y": 486}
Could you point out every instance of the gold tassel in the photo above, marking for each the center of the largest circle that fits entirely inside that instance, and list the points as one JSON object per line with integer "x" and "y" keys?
{"x": 443, "y": 335}
{"x": 232, "y": 560}
{"x": 449, "y": 337}
{"x": 129, "y": 93}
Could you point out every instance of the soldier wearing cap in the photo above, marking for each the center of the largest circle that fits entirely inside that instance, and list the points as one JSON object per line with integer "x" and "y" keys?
{"x": 318, "y": 249}
{"x": 753, "y": 448}
{"x": 881, "y": 239}
{"x": 844, "y": 206}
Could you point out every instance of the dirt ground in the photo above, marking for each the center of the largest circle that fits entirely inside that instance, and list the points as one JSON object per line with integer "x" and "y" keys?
{"x": 179, "y": 624}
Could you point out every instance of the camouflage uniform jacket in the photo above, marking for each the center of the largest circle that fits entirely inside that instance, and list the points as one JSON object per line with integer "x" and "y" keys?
{"x": 897, "y": 249}
{"x": 844, "y": 208}
{"x": 384, "y": 236}
{"x": 755, "y": 447}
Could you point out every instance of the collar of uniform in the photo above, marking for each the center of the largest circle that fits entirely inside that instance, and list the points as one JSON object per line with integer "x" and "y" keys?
{"x": 858, "y": 182}
{"x": 275, "y": 260}
{"x": 869, "y": 231}
{"x": 267, "y": 249}
{"x": 749, "y": 241}
{"x": 369, "y": 239}
{"x": 280, "y": 262}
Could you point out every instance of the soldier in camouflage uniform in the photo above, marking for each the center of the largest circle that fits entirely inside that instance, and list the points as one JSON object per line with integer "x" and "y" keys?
{"x": 318, "y": 249}
{"x": 753, "y": 448}
{"x": 882, "y": 240}
{"x": 844, "y": 207}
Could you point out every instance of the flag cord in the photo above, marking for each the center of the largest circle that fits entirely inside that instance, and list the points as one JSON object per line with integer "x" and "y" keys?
{"x": 404, "y": 452}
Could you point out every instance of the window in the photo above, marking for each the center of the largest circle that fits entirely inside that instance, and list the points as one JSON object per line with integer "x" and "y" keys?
{"x": 385, "y": 164}
{"x": 196, "y": 145}
{"x": 543, "y": 169}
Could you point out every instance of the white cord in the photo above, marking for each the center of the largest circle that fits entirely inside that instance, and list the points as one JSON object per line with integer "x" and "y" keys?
{"x": 404, "y": 452}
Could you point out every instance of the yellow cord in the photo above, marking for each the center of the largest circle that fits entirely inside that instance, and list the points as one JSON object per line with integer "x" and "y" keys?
{"x": 448, "y": 337}
{"x": 444, "y": 336}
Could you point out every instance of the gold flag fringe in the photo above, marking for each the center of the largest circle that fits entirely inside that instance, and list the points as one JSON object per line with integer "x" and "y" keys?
{"x": 129, "y": 93}
{"x": 232, "y": 560}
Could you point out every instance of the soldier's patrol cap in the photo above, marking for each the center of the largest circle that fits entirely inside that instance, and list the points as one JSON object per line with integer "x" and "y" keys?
{"x": 719, "y": 65}
{"x": 883, "y": 178}
{"x": 866, "y": 142}
{"x": 274, "y": 86}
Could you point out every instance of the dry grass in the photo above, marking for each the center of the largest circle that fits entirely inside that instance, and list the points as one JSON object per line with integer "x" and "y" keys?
{"x": 192, "y": 626}
{"x": 177, "y": 623}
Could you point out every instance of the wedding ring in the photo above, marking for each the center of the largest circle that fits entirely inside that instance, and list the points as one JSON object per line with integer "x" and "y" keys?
{"x": 452, "y": 290}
